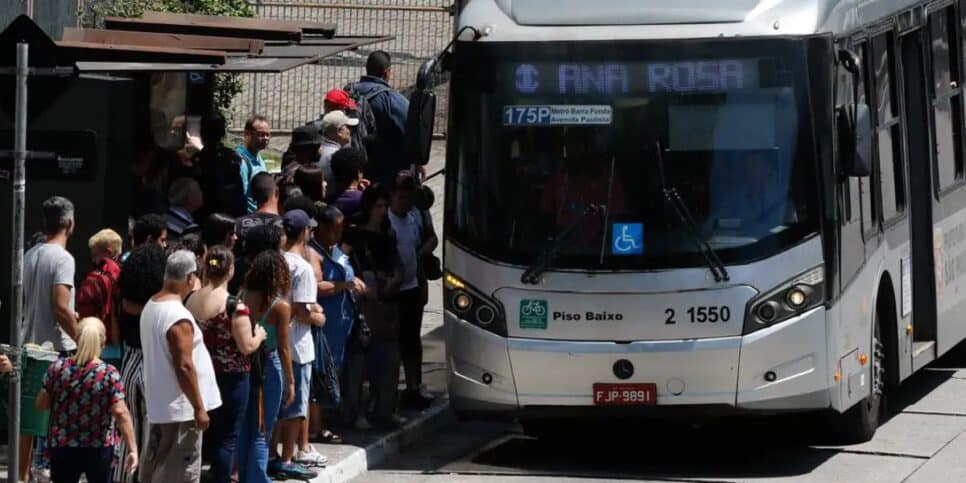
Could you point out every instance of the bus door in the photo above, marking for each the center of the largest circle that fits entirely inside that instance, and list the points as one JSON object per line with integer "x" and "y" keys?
{"x": 921, "y": 199}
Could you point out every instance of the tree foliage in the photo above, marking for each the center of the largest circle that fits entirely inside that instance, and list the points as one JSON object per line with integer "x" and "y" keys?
{"x": 226, "y": 86}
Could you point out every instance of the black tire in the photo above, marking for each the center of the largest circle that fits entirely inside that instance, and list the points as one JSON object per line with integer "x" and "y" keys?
{"x": 859, "y": 423}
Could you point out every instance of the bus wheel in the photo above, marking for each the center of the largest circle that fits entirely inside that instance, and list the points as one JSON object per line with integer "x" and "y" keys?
{"x": 858, "y": 424}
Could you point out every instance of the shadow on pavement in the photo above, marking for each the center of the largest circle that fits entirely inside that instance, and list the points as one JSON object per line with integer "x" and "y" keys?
{"x": 921, "y": 384}
{"x": 729, "y": 448}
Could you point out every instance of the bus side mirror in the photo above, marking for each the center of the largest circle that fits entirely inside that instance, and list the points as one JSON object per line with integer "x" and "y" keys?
{"x": 425, "y": 78}
{"x": 419, "y": 126}
{"x": 421, "y": 118}
{"x": 854, "y": 126}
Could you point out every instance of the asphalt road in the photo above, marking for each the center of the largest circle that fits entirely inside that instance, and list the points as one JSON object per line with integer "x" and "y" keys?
{"x": 924, "y": 440}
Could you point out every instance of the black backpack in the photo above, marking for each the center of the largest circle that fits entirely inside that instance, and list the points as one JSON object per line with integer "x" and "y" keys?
{"x": 366, "y": 131}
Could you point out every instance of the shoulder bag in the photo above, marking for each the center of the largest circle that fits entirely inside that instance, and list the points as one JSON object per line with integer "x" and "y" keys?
{"x": 431, "y": 265}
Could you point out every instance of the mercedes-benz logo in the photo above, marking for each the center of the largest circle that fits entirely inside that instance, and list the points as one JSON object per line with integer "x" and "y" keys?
{"x": 623, "y": 369}
{"x": 527, "y": 79}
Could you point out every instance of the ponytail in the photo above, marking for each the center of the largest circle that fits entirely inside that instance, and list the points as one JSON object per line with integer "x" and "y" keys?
{"x": 90, "y": 340}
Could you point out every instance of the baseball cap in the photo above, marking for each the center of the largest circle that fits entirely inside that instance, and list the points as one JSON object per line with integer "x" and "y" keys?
{"x": 298, "y": 220}
{"x": 337, "y": 119}
{"x": 308, "y": 135}
{"x": 340, "y": 98}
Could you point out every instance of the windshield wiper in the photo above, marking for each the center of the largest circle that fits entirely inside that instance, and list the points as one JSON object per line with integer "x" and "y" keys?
{"x": 673, "y": 198}
{"x": 533, "y": 272}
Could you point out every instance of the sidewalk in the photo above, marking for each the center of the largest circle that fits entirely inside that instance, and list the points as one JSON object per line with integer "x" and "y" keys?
{"x": 367, "y": 449}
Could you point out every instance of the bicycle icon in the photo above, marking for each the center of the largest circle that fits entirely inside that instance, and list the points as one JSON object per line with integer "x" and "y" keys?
{"x": 535, "y": 308}
{"x": 628, "y": 238}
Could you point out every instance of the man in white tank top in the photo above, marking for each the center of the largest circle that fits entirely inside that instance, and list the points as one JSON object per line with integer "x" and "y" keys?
{"x": 180, "y": 385}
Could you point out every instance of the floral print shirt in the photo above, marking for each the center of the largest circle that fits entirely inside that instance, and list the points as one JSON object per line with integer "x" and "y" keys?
{"x": 82, "y": 398}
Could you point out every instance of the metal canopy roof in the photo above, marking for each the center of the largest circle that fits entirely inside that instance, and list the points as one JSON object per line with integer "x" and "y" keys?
{"x": 80, "y": 51}
{"x": 276, "y": 59}
{"x": 179, "y": 42}
{"x": 305, "y": 27}
{"x": 151, "y": 39}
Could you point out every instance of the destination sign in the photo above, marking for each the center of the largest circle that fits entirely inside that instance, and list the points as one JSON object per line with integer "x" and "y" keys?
{"x": 556, "y": 115}
{"x": 609, "y": 79}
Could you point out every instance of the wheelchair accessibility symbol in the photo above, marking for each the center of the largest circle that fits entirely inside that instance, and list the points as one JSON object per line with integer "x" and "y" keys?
{"x": 628, "y": 239}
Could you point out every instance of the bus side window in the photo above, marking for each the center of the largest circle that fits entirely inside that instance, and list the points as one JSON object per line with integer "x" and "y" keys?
{"x": 849, "y": 202}
{"x": 866, "y": 194}
{"x": 887, "y": 127}
{"x": 947, "y": 97}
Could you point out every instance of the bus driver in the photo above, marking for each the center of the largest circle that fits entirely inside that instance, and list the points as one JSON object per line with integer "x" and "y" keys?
{"x": 755, "y": 205}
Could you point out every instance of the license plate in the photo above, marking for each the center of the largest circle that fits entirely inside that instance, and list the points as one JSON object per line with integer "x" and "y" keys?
{"x": 606, "y": 394}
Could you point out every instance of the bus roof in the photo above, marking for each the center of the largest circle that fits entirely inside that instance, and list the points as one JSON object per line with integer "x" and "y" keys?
{"x": 537, "y": 20}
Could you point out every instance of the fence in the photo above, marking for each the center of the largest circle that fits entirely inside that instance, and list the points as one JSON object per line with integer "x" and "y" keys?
{"x": 421, "y": 28}
{"x": 50, "y": 15}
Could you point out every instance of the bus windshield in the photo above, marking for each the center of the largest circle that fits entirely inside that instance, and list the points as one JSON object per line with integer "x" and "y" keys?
{"x": 589, "y": 139}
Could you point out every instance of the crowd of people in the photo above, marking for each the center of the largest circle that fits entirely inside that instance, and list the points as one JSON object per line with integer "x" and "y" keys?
{"x": 250, "y": 314}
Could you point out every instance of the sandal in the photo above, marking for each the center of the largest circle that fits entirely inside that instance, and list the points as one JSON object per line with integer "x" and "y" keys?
{"x": 328, "y": 437}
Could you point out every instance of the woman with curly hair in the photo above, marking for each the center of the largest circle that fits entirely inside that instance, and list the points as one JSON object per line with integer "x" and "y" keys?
{"x": 267, "y": 285}
{"x": 142, "y": 275}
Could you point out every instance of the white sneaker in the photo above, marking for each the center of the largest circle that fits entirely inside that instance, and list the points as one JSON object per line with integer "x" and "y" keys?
{"x": 311, "y": 457}
{"x": 38, "y": 475}
{"x": 362, "y": 423}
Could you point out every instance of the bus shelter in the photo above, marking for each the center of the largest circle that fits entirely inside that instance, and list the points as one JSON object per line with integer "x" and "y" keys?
{"x": 136, "y": 87}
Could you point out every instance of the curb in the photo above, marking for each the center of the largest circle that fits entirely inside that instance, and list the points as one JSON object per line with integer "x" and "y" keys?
{"x": 358, "y": 461}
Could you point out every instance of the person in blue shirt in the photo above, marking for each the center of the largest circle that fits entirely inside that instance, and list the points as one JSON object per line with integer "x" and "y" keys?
{"x": 390, "y": 110}
{"x": 255, "y": 138}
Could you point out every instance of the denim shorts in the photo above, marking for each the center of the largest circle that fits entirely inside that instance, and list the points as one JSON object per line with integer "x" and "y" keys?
{"x": 299, "y": 409}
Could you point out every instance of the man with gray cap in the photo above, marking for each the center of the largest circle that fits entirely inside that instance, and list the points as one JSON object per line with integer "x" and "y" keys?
{"x": 337, "y": 134}
{"x": 181, "y": 388}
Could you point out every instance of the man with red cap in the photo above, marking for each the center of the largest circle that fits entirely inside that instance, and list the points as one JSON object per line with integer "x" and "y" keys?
{"x": 338, "y": 100}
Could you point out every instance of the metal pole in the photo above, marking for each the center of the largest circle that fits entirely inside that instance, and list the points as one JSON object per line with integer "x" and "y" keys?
{"x": 16, "y": 273}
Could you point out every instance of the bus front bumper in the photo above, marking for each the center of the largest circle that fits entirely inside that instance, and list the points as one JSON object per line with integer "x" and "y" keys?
{"x": 779, "y": 369}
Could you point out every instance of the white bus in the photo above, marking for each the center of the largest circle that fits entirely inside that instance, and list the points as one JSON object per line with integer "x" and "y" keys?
{"x": 751, "y": 206}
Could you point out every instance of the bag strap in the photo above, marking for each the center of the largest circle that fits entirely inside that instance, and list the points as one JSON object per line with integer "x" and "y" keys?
{"x": 241, "y": 296}
{"x": 264, "y": 319}
{"x": 425, "y": 226}
{"x": 231, "y": 305}
{"x": 375, "y": 92}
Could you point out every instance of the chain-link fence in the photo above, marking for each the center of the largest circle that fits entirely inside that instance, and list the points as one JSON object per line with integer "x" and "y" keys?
{"x": 421, "y": 28}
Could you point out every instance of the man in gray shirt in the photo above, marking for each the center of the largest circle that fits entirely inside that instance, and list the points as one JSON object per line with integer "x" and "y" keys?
{"x": 48, "y": 287}
{"x": 48, "y": 281}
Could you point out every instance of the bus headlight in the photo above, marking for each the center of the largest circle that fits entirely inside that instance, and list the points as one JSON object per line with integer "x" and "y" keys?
{"x": 462, "y": 302}
{"x": 794, "y": 297}
{"x": 472, "y": 306}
